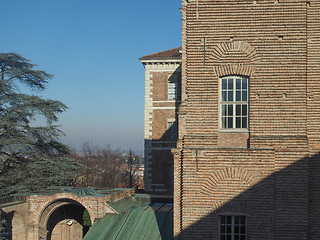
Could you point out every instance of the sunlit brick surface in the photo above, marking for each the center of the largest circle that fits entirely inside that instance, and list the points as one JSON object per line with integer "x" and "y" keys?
{"x": 270, "y": 172}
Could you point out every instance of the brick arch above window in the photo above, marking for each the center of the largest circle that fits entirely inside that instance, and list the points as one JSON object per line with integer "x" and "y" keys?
{"x": 247, "y": 178}
{"x": 233, "y": 70}
{"x": 233, "y": 58}
{"x": 233, "y": 52}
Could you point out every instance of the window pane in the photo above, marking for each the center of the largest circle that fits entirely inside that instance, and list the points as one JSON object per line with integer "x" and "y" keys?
{"x": 224, "y": 95}
{"x": 232, "y": 227}
{"x": 244, "y": 110}
{"x": 230, "y": 96}
{"x": 230, "y": 84}
{"x": 224, "y": 83}
{"x": 172, "y": 90}
{"x": 230, "y": 110}
{"x": 238, "y": 83}
{"x": 244, "y": 122}
{"x": 237, "y": 218}
{"x": 228, "y": 219}
{"x": 243, "y": 220}
{"x": 222, "y": 219}
{"x": 244, "y": 95}
{"x": 230, "y": 120}
{"x": 238, "y": 95}
{"x": 224, "y": 110}
{"x": 224, "y": 122}
{"x": 238, "y": 122}
{"x": 244, "y": 83}
{"x": 234, "y": 95}
{"x": 238, "y": 110}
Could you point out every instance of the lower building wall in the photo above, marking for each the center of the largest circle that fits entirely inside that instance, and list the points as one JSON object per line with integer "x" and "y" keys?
{"x": 314, "y": 197}
{"x": 162, "y": 171}
{"x": 248, "y": 182}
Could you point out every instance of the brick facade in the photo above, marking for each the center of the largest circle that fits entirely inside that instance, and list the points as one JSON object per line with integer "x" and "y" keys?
{"x": 270, "y": 171}
{"x": 47, "y": 213}
{"x": 161, "y": 69}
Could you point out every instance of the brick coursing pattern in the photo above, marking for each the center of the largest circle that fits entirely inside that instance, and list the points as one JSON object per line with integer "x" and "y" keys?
{"x": 277, "y": 45}
{"x": 159, "y": 110}
{"x": 30, "y": 218}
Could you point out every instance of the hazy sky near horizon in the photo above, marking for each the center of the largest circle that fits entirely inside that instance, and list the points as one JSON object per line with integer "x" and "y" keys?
{"x": 92, "y": 48}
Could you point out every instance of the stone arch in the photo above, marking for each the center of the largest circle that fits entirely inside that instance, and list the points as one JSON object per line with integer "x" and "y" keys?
{"x": 52, "y": 208}
{"x": 56, "y": 197}
{"x": 238, "y": 174}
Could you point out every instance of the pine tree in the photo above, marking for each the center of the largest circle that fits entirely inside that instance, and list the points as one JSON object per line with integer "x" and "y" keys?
{"x": 31, "y": 156}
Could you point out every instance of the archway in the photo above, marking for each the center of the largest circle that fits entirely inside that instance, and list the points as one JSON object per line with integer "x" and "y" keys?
{"x": 62, "y": 220}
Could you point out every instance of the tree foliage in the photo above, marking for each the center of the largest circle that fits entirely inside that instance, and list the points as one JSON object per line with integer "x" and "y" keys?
{"x": 104, "y": 167}
{"x": 86, "y": 219}
{"x": 4, "y": 234}
{"x": 32, "y": 156}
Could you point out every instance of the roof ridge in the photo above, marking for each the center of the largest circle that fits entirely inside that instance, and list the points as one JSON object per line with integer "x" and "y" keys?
{"x": 173, "y": 53}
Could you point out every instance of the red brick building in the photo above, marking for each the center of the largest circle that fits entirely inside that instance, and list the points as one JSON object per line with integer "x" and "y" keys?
{"x": 56, "y": 213}
{"x": 162, "y": 82}
{"x": 247, "y": 162}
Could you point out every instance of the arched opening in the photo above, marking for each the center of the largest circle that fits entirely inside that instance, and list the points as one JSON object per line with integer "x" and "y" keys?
{"x": 64, "y": 220}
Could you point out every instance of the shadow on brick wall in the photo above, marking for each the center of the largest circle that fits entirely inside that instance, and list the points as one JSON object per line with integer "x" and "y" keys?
{"x": 285, "y": 205}
{"x": 162, "y": 157}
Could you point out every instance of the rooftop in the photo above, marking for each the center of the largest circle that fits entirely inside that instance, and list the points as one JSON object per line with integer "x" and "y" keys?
{"x": 136, "y": 220}
{"x": 78, "y": 191}
{"x": 174, "y": 53}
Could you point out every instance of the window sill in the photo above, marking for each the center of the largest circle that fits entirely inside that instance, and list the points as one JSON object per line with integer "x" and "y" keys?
{"x": 233, "y": 138}
{"x": 234, "y": 130}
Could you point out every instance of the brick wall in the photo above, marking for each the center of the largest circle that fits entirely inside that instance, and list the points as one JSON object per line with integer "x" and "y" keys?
{"x": 30, "y": 219}
{"x": 159, "y": 110}
{"x": 276, "y": 45}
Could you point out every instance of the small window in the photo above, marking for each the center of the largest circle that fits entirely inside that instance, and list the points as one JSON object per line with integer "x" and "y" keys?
{"x": 172, "y": 131}
{"x": 172, "y": 91}
{"x": 234, "y": 102}
{"x": 232, "y": 228}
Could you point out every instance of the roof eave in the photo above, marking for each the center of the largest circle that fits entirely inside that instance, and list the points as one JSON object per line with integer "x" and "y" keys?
{"x": 154, "y": 60}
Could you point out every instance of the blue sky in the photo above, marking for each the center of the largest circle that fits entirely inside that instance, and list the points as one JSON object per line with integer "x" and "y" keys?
{"x": 92, "y": 49}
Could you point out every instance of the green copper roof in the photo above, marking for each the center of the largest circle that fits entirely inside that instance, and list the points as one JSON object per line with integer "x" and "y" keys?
{"x": 136, "y": 220}
{"x": 79, "y": 191}
{"x": 84, "y": 192}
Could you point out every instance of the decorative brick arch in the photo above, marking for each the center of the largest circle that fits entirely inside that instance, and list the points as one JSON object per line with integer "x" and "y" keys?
{"x": 233, "y": 58}
{"x": 245, "y": 176}
{"x": 35, "y": 209}
{"x": 48, "y": 204}
{"x": 60, "y": 197}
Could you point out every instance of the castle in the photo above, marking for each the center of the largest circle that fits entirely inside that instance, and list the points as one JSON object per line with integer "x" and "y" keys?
{"x": 246, "y": 161}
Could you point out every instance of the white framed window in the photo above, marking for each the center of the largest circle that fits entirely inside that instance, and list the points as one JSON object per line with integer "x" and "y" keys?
{"x": 172, "y": 133}
{"x": 232, "y": 227}
{"x": 172, "y": 90}
{"x": 234, "y": 94}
